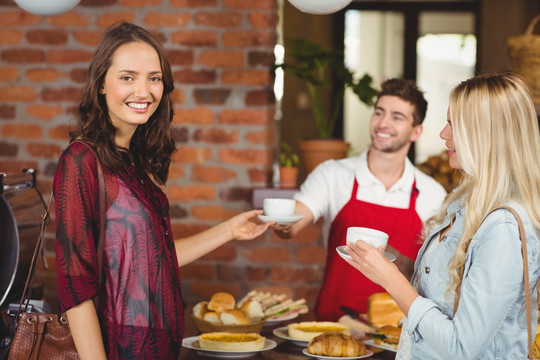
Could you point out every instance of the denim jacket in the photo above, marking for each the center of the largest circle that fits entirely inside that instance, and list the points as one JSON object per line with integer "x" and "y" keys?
{"x": 490, "y": 322}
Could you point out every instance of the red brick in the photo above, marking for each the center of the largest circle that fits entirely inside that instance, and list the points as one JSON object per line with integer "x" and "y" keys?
{"x": 251, "y": 4}
{"x": 310, "y": 234}
{"x": 245, "y": 156}
{"x": 7, "y": 111}
{"x": 195, "y": 76}
{"x": 108, "y": 19}
{"x": 159, "y": 19}
{"x": 94, "y": 3}
{"x": 289, "y": 274}
{"x": 138, "y": 3}
{"x": 192, "y": 155}
{"x": 264, "y": 137}
{"x": 194, "y": 38}
{"x": 245, "y": 39}
{"x": 45, "y": 112}
{"x": 268, "y": 255}
{"x": 256, "y": 273}
{"x": 263, "y": 20}
{"x": 212, "y": 212}
{"x": 216, "y": 136}
{"x": 231, "y": 274}
{"x": 191, "y": 193}
{"x": 218, "y": 19}
{"x": 10, "y": 37}
{"x": 246, "y": 77}
{"x": 310, "y": 293}
{"x": 205, "y": 290}
{"x": 18, "y": 18}
{"x": 247, "y": 116}
{"x": 185, "y": 230}
{"x": 69, "y": 56}
{"x": 260, "y": 97}
{"x": 44, "y": 150}
{"x": 71, "y": 18}
{"x": 259, "y": 176}
{"x": 60, "y": 132}
{"x": 17, "y": 93}
{"x": 199, "y": 271}
{"x": 211, "y": 96}
{"x": 47, "y": 37}
{"x": 180, "y": 134}
{"x": 8, "y": 149}
{"x": 180, "y": 57}
{"x": 15, "y": 167}
{"x": 221, "y": 58}
{"x": 176, "y": 172}
{"x": 193, "y": 3}
{"x": 200, "y": 116}
{"x": 8, "y": 73}
{"x": 261, "y": 58}
{"x": 210, "y": 174}
{"x": 310, "y": 255}
{"x": 78, "y": 75}
{"x": 23, "y": 56}
{"x": 22, "y": 131}
{"x": 44, "y": 74}
{"x": 178, "y": 96}
{"x": 222, "y": 253}
{"x": 236, "y": 194}
{"x": 87, "y": 37}
{"x": 63, "y": 94}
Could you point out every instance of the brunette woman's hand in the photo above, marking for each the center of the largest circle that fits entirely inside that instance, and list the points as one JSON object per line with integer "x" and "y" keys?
{"x": 371, "y": 262}
{"x": 246, "y": 226}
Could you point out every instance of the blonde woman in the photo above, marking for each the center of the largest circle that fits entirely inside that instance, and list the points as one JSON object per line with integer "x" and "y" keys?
{"x": 492, "y": 136}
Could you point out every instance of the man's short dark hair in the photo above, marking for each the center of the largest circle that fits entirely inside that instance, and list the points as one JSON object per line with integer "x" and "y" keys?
{"x": 406, "y": 90}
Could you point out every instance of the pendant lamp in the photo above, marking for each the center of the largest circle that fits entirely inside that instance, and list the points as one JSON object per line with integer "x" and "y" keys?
{"x": 320, "y": 7}
{"x": 47, "y": 7}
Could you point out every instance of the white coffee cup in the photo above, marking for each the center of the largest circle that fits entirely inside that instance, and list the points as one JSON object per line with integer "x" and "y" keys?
{"x": 278, "y": 207}
{"x": 373, "y": 237}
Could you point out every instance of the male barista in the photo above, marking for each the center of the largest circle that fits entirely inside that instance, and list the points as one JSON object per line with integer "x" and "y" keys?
{"x": 379, "y": 189}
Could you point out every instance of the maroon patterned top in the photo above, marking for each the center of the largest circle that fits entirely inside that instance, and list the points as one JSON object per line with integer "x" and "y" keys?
{"x": 141, "y": 309}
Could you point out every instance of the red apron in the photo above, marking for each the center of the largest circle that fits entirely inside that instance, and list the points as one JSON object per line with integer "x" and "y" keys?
{"x": 343, "y": 284}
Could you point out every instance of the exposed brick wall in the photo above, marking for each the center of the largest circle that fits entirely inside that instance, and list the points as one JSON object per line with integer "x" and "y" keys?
{"x": 220, "y": 51}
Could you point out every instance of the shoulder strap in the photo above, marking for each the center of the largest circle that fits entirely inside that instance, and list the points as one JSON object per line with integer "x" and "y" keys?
{"x": 525, "y": 277}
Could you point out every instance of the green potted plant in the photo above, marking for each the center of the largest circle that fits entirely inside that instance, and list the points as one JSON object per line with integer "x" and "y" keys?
{"x": 318, "y": 67}
{"x": 288, "y": 166}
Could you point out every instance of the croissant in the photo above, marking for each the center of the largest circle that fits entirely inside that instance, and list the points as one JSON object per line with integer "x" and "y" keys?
{"x": 336, "y": 343}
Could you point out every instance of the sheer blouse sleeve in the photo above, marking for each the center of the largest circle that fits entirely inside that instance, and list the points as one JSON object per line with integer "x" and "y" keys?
{"x": 76, "y": 194}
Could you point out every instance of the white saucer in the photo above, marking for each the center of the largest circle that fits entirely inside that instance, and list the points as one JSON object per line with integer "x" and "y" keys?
{"x": 281, "y": 220}
{"x": 372, "y": 343}
{"x": 322, "y": 357}
{"x": 342, "y": 251}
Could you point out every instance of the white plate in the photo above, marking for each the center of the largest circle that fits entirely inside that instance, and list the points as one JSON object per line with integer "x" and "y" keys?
{"x": 281, "y": 220}
{"x": 370, "y": 342}
{"x": 283, "y": 333}
{"x": 342, "y": 251}
{"x": 322, "y": 357}
{"x": 193, "y": 343}
{"x": 272, "y": 322}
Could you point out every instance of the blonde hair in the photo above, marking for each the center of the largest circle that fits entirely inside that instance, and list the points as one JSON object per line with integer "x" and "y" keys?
{"x": 496, "y": 135}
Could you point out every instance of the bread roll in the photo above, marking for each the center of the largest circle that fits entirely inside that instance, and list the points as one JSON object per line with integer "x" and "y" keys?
{"x": 231, "y": 341}
{"x": 200, "y": 309}
{"x": 383, "y": 310}
{"x": 233, "y": 317}
{"x": 253, "y": 310}
{"x": 212, "y": 316}
{"x": 307, "y": 330}
{"x": 221, "y": 301}
{"x": 337, "y": 344}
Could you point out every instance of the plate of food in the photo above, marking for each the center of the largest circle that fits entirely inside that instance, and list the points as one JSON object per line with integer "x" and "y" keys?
{"x": 334, "y": 344}
{"x": 302, "y": 333}
{"x": 227, "y": 345}
{"x": 276, "y": 307}
{"x": 283, "y": 333}
{"x": 386, "y": 338}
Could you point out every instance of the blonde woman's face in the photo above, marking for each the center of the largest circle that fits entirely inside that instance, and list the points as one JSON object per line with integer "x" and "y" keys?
{"x": 447, "y": 134}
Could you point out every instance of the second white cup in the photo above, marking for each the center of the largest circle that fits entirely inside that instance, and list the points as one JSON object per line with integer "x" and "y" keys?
{"x": 278, "y": 207}
{"x": 373, "y": 237}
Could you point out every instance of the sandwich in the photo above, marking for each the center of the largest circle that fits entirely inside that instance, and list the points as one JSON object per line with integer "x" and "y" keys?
{"x": 387, "y": 335}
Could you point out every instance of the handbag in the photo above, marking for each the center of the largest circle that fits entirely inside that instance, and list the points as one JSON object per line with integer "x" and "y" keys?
{"x": 47, "y": 336}
{"x": 525, "y": 279}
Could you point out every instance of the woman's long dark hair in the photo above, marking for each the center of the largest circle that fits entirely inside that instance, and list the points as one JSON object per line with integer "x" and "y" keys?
{"x": 151, "y": 146}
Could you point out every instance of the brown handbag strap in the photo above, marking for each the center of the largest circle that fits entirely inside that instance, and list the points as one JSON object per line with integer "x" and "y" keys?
{"x": 25, "y": 298}
{"x": 525, "y": 277}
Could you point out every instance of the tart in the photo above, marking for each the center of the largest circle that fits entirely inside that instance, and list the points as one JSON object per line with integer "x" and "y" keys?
{"x": 307, "y": 330}
{"x": 231, "y": 341}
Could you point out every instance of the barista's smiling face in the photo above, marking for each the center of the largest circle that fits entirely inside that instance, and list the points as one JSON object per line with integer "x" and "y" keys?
{"x": 132, "y": 87}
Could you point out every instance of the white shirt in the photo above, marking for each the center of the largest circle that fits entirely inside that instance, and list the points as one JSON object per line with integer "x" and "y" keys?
{"x": 329, "y": 187}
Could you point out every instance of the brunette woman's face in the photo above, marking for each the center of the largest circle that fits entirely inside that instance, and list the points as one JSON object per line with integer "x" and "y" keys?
{"x": 447, "y": 134}
{"x": 133, "y": 87}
